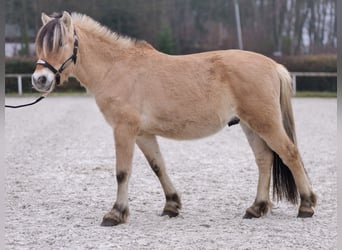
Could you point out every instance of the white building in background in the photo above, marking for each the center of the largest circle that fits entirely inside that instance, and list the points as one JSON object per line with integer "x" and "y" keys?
{"x": 13, "y": 49}
{"x": 13, "y": 45}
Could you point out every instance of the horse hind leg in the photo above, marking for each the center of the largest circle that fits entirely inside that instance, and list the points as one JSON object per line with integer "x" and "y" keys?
{"x": 287, "y": 154}
{"x": 263, "y": 157}
{"x": 289, "y": 157}
{"x": 149, "y": 146}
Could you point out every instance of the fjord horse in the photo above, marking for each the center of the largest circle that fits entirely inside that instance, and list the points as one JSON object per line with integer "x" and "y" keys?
{"x": 144, "y": 93}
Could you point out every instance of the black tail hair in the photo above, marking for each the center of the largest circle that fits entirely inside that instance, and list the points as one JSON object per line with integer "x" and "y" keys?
{"x": 284, "y": 185}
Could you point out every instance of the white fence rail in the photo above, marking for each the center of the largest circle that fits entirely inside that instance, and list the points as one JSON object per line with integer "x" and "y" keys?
{"x": 19, "y": 80}
{"x": 293, "y": 74}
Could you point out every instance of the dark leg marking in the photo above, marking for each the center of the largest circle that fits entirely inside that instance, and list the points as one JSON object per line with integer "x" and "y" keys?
{"x": 155, "y": 167}
{"x": 173, "y": 197}
{"x": 123, "y": 210}
{"x": 121, "y": 176}
{"x": 233, "y": 121}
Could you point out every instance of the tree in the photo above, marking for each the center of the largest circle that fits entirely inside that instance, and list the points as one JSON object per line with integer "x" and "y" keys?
{"x": 289, "y": 26}
{"x": 165, "y": 42}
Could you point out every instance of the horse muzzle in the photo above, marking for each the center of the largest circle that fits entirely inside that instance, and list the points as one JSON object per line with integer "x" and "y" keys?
{"x": 43, "y": 80}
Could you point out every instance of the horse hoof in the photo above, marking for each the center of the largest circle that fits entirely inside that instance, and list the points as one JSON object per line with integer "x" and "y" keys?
{"x": 172, "y": 206}
{"x": 306, "y": 205}
{"x": 109, "y": 222}
{"x": 170, "y": 213}
{"x": 305, "y": 214}
{"x": 256, "y": 210}
{"x": 116, "y": 216}
{"x": 249, "y": 215}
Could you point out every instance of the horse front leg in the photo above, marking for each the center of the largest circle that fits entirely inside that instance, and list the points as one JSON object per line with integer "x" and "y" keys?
{"x": 124, "y": 148}
{"x": 149, "y": 146}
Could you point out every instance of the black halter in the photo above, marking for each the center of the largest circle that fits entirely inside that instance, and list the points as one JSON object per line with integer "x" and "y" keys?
{"x": 67, "y": 62}
{"x": 57, "y": 72}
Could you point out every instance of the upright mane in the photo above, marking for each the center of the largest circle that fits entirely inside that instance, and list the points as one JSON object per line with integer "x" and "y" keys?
{"x": 94, "y": 27}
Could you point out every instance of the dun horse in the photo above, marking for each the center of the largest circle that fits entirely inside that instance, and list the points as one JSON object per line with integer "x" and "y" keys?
{"x": 144, "y": 93}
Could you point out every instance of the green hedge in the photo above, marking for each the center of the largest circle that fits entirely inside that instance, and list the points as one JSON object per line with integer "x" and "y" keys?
{"x": 19, "y": 65}
{"x": 309, "y": 63}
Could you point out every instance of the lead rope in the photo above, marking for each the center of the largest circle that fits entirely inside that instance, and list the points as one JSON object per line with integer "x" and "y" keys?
{"x": 29, "y": 104}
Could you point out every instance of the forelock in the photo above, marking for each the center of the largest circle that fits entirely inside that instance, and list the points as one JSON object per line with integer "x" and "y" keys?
{"x": 50, "y": 36}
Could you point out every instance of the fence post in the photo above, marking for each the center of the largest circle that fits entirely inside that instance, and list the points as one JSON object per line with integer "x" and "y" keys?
{"x": 20, "y": 85}
{"x": 294, "y": 84}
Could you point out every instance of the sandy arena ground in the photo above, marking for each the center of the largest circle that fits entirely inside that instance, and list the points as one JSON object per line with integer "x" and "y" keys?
{"x": 60, "y": 182}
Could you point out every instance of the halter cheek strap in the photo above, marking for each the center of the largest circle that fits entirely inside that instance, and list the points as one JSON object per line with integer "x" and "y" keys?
{"x": 58, "y": 72}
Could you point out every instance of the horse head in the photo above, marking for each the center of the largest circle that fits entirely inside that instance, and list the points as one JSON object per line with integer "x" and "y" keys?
{"x": 55, "y": 42}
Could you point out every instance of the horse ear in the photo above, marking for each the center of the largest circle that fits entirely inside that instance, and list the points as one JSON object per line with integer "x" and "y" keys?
{"x": 45, "y": 18}
{"x": 66, "y": 19}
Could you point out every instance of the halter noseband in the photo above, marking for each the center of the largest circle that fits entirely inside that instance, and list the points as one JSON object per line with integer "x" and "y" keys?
{"x": 66, "y": 63}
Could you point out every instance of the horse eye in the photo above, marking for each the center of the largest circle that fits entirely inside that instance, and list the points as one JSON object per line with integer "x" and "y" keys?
{"x": 60, "y": 43}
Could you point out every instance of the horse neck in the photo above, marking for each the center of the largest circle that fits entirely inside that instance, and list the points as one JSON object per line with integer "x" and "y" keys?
{"x": 97, "y": 56}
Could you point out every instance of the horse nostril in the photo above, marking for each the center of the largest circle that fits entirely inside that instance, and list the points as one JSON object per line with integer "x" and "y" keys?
{"x": 42, "y": 80}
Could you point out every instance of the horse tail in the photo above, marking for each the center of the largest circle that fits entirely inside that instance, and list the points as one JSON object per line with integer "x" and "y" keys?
{"x": 284, "y": 185}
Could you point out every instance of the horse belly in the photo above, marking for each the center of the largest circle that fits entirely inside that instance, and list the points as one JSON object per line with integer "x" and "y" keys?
{"x": 187, "y": 126}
